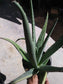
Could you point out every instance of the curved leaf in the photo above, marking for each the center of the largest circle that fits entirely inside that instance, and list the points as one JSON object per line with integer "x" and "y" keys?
{"x": 20, "y": 39}
{"x": 19, "y": 49}
{"x": 29, "y": 43}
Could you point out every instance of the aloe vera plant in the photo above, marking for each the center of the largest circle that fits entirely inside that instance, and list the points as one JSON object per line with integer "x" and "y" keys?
{"x": 35, "y": 50}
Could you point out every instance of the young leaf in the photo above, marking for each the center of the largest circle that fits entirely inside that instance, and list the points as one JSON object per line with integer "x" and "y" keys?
{"x": 48, "y": 68}
{"x": 19, "y": 49}
{"x": 29, "y": 43}
{"x": 41, "y": 49}
{"x": 33, "y": 23}
{"x": 42, "y": 35}
{"x": 52, "y": 49}
{"x": 26, "y": 75}
{"x": 20, "y": 39}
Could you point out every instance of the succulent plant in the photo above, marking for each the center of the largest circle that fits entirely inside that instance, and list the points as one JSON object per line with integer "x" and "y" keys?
{"x": 35, "y": 50}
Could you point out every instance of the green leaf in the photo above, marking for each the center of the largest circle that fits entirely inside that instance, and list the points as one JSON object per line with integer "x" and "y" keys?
{"x": 33, "y": 26}
{"x": 41, "y": 38}
{"x": 26, "y": 75}
{"x": 29, "y": 43}
{"x": 42, "y": 35}
{"x": 41, "y": 49}
{"x": 19, "y": 49}
{"x": 33, "y": 23}
{"x": 45, "y": 62}
{"x": 20, "y": 39}
{"x": 42, "y": 77}
{"x": 48, "y": 68}
{"x": 52, "y": 49}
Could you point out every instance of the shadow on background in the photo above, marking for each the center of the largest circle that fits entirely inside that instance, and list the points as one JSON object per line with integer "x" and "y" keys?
{"x": 9, "y": 11}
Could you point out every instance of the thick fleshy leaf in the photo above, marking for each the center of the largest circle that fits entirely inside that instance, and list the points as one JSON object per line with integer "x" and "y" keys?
{"x": 26, "y": 75}
{"x": 33, "y": 26}
{"x": 52, "y": 49}
{"x": 20, "y": 39}
{"x": 41, "y": 49}
{"x": 33, "y": 23}
{"x": 42, "y": 35}
{"x": 42, "y": 77}
{"x": 45, "y": 62}
{"x": 28, "y": 38}
{"x": 48, "y": 68}
{"x": 41, "y": 38}
{"x": 19, "y": 49}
